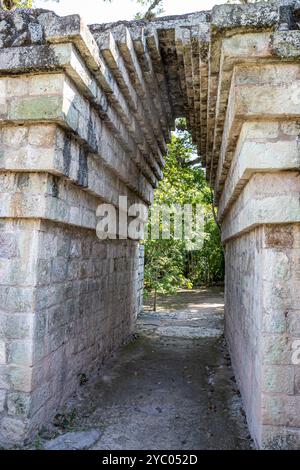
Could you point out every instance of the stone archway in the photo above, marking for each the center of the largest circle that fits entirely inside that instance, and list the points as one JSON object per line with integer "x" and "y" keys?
{"x": 85, "y": 117}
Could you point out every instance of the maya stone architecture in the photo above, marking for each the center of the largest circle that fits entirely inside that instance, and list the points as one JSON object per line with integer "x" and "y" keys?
{"x": 86, "y": 113}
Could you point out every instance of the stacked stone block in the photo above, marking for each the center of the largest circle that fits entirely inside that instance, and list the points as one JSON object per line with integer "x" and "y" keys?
{"x": 141, "y": 277}
{"x": 57, "y": 310}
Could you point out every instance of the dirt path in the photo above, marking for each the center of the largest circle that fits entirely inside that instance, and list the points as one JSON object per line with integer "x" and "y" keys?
{"x": 171, "y": 388}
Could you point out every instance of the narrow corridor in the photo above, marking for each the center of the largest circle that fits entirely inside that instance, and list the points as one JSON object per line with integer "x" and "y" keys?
{"x": 171, "y": 388}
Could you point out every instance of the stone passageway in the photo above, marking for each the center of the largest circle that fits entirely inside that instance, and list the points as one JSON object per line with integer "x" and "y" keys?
{"x": 171, "y": 388}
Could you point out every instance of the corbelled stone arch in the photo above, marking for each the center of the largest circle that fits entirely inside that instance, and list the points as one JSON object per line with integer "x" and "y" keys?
{"x": 86, "y": 115}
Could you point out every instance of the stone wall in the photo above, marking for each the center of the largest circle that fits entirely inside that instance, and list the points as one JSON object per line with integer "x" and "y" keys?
{"x": 259, "y": 210}
{"x": 68, "y": 300}
{"x": 262, "y": 322}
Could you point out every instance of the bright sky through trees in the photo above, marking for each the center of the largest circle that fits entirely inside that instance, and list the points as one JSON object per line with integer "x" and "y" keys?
{"x": 97, "y": 11}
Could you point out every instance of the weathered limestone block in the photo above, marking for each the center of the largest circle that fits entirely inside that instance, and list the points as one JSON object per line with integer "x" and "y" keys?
{"x": 280, "y": 398}
{"x": 55, "y": 327}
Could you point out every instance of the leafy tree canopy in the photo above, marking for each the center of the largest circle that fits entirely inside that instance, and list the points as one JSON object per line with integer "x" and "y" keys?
{"x": 151, "y": 8}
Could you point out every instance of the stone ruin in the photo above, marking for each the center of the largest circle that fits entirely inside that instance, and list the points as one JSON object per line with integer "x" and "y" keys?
{"x": 86, "y": 114}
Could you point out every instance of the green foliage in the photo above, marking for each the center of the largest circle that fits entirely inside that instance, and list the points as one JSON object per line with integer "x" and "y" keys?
{"x": 11, "y": 4}
{"x": 182, "y": 184}
{"x": 168, "y": 264}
